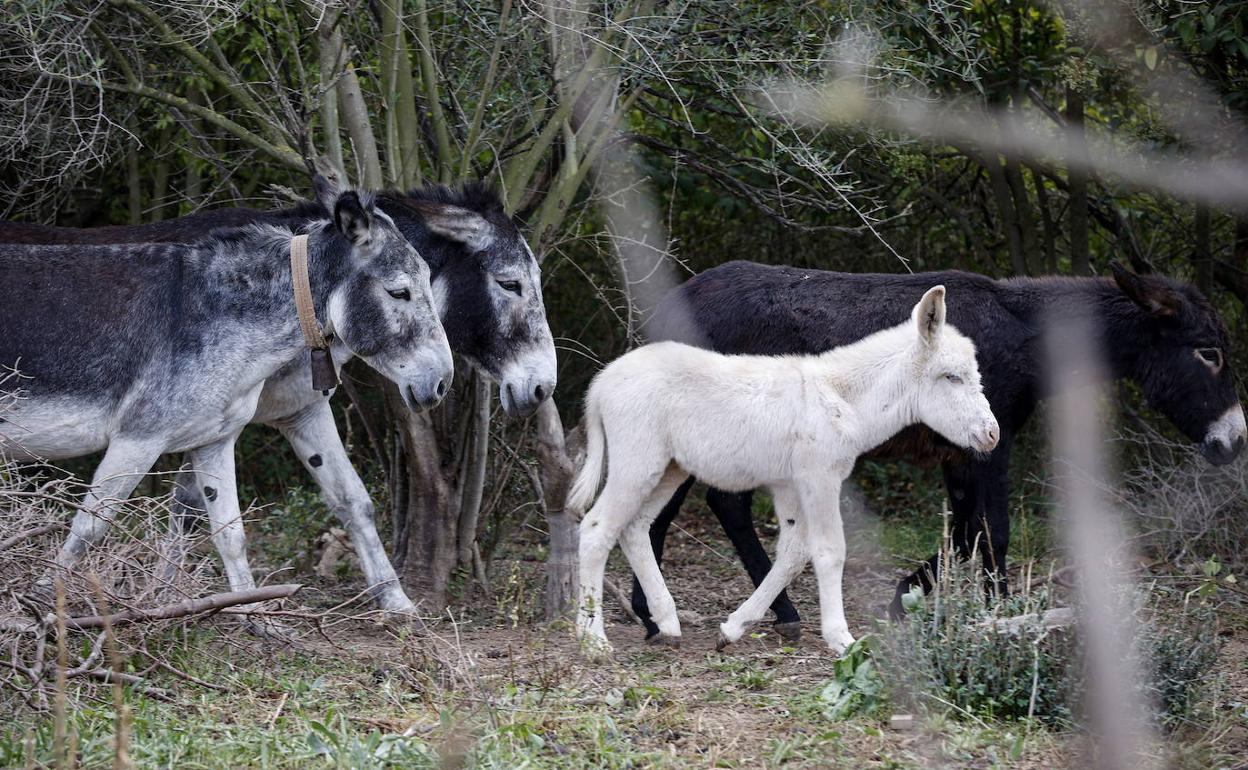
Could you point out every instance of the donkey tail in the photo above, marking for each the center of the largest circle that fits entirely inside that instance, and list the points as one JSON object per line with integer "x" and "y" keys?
{"x": 587, "y": 482}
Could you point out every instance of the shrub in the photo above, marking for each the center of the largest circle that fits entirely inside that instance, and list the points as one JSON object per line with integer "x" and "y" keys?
{"x": 952, "y": 652}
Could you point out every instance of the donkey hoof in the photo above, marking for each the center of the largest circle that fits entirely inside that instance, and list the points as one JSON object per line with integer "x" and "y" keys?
{"x": 790, "y": 632}
{"x": 722, "y": 642}
{"x": 664, "y": 640}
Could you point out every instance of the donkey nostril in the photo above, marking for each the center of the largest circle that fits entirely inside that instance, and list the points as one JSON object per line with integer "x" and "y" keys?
{"x": 441, "y": 389}
{"x": 539, "y": 393}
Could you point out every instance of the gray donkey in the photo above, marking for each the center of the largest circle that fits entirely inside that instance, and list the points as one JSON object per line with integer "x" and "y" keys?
{"x": 143, "y": 349}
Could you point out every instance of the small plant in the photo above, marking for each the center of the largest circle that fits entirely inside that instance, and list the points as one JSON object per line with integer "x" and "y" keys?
{"x": 957, "y": 651}
{"x": 856, "y": 687}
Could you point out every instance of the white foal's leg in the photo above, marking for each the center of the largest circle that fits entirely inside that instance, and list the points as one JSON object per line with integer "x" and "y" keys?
{"x": 599, "y": 531}
{"x": 635, "y": 542}
{"x": 213, "y": 466}
{"x": 821, "y": 507}
{"x": 314, "y": 436}
{"x": 123, "y": 466}
{"x": 791, "y": 557}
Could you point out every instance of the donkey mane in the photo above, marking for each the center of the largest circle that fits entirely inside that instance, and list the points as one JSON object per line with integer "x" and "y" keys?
{"x": 474, "y": 196}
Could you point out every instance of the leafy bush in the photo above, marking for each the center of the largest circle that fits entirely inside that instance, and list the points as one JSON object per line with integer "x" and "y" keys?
{"x": 948, "y": 647}
{"x": 952, "y": 652}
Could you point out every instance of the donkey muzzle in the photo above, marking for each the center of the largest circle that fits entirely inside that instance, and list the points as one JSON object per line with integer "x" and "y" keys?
{"x": 425, "y": 392}
{"x": 1225, "y": 438}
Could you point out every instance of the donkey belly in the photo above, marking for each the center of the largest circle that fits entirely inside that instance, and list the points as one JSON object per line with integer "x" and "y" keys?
{"x": 53, "y": 429}
{"x": 734, "y": 461}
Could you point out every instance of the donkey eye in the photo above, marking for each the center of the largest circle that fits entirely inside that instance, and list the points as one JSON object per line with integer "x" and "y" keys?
{"x": 955, "y": 379}
{"x": 1211, "y": 356}
{"x": 402, "y": 294}
{"x": 511, "y": 286}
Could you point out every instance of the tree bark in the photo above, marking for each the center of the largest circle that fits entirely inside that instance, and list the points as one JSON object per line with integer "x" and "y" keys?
{"x": 1080, "y": 263}
{"x": 1049, "y": 234}
{"x": 1005, "y": 208}
{"x": 431, "y": 515}
{"x": 556, "y": 468}
{"x": 1202, "y": 248}
{"x": 1022, "y": 214}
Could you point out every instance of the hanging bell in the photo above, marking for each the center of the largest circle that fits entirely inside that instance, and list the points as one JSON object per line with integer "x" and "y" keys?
{"x": 324, "y": 378}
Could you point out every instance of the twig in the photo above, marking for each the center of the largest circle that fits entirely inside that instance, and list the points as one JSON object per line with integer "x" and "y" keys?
{"x": 8, "y": 543}
{"x": 278, "y": 711}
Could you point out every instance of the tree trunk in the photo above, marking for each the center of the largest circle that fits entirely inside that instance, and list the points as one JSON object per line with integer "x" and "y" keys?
{"x": 431, "y": 515}
{"x": 1022, "y": 214}
{"x": 1202, "y": 248}
{"x": 1080, "y": 263}
{"x": 134, "y": 184}
{"x": 329, "y": 48}
{"x": 1049, "y": 233}
{"x": 1005, "y": 208}
{"x": 472, "y": 479}
{"x": 556, "y": 470}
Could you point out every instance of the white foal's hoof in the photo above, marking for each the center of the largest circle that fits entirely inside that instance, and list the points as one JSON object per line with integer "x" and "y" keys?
{"x": 727, "y": 635}
{"x": 839, "y": 642}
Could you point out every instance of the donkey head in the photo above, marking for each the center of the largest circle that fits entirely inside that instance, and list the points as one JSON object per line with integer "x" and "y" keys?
{"x": 492, "y": 289}
{"x": 949, "y": 399}
{"x": 1183, "y": 362}
{"x": 383, "y": 309}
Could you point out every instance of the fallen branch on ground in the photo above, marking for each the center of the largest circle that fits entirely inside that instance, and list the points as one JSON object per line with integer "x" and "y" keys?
{"x": 187, "y": 607}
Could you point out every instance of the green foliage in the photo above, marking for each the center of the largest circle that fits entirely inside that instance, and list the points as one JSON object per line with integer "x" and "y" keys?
{"x": 856, "y": 688}
{"x": 949, "y": 648}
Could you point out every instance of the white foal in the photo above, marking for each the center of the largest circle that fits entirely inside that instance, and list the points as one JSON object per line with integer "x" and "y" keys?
{"x": 793, "y": 424}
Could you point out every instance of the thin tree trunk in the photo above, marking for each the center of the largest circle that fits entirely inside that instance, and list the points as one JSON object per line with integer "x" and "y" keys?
{"x": 1202, "y": 251}
{"x": 1022, "y": 214}
{"x": 431, "y": 516}
{"x": 354, "y": 113}
{"x": 1049, "y": 234}
{"x": 472, "y": 480}
{"x": 329, "y": 49}
{"x": 555, "y": 471}
{"x": 1005, "y": 208}
{"x": 133, "y": 182}
{"x": 1080, "y": 263}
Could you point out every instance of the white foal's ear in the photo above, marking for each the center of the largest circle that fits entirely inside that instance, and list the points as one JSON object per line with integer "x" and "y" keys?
{"x": 459, "y": 224}
{"x": 929, "y": 315}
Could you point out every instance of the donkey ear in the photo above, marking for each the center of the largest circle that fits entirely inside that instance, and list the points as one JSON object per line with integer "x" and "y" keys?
{"x": 460, "y": 224}
{"x": 929, "y": 315}
{"x": 325, "y": 189}
{"x": 352, "y": 218}
{"x": 1148, "y": 292}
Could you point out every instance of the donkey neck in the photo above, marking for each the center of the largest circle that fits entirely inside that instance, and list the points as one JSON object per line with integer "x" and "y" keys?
{"x": 248, "y": 280}
{"x": 872, "y": 375}
{"x": 1119, "y": 328}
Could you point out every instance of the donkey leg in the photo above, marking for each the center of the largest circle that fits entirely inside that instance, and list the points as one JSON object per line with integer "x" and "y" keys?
{"x": 735, "y": 513}
{"x": 119, "y": 472}
{"x": 214, "y": 475}
{"x": 979, "y": 494}
{"x": 658, "y": 539}
{"x": 791, "y": 557}
{"x": 314, "y": 436}
{"x": 635, "y": 542}
{"x": 188, "y": 507}
{"x": 599, "y": 532}
{"x": 825, "y": 532}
